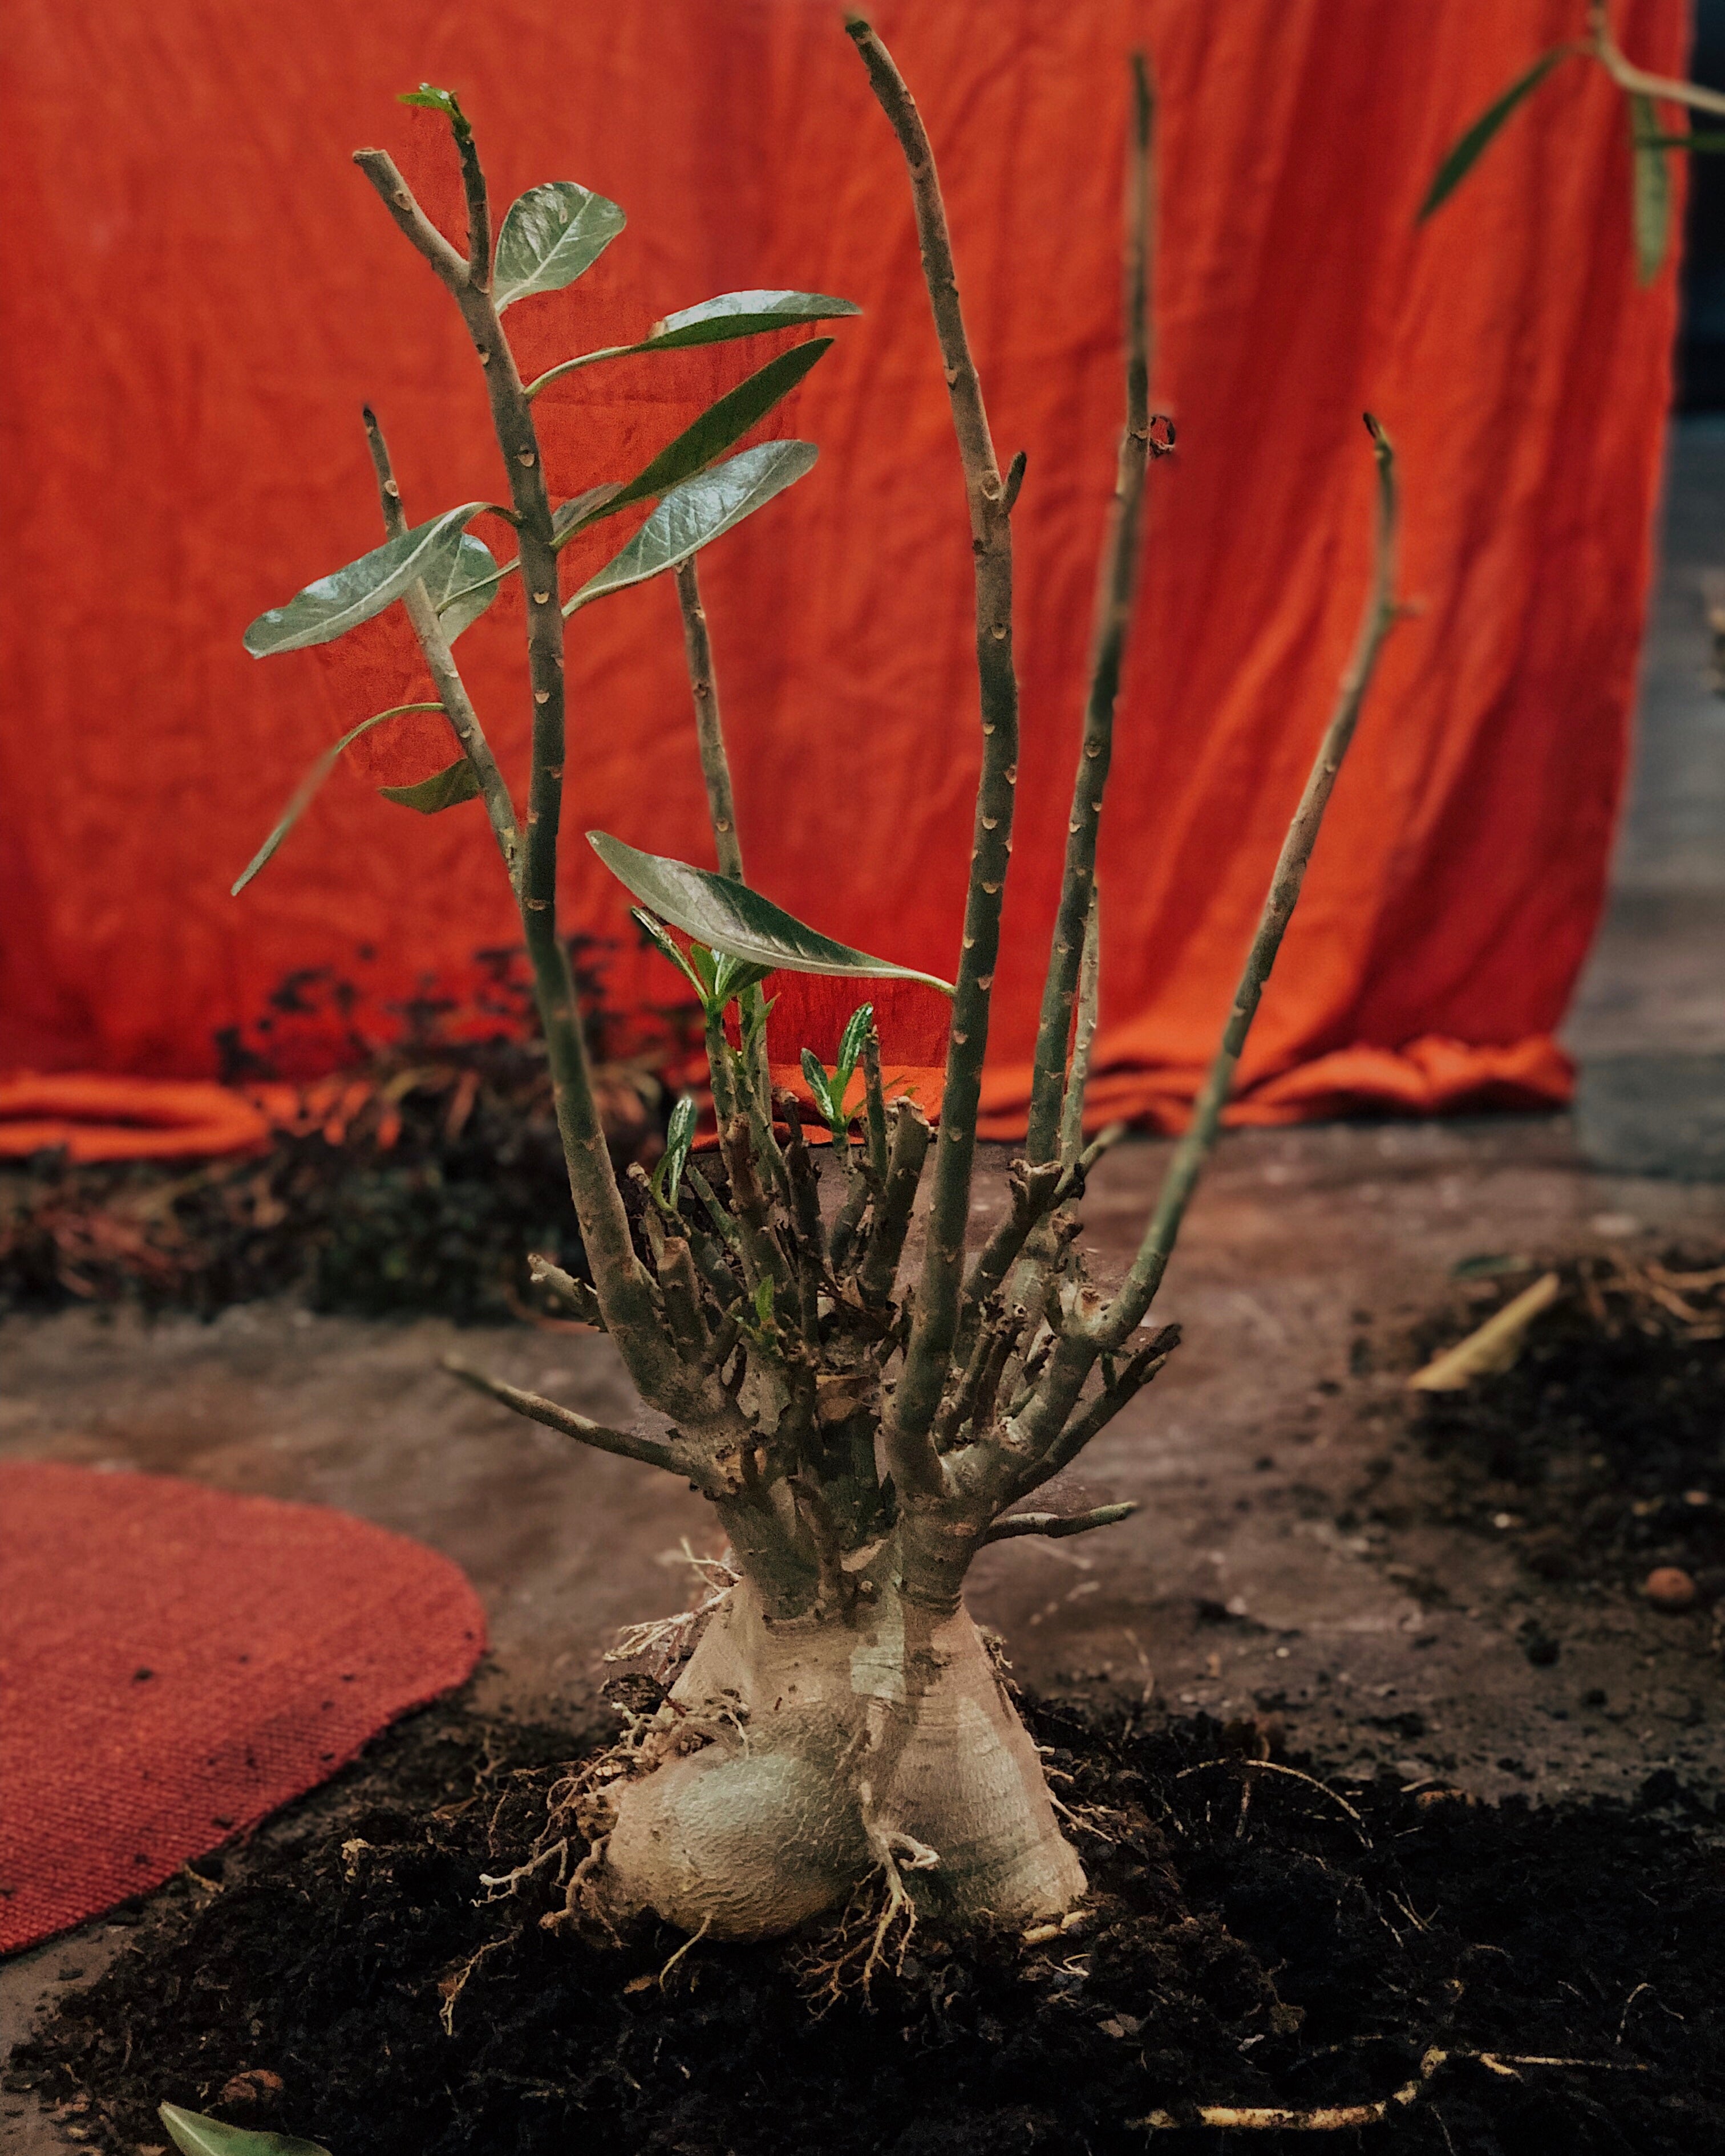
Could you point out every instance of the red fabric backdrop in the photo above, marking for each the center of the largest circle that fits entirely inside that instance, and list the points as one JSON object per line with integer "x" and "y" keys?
{"x": 200, "y": 289}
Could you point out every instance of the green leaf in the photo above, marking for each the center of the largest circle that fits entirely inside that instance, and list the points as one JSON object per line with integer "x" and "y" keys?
{"x": 815, "y": 1076}
{"x": 467, "y": 587}
{"x": 694, "y": 513}
{"x": 303, "y": 794}
{"x": 1650, "y": 190}
{"x": 342, "y": 600}
{"x": 1459, "y": 162}
{"x": 713, "y": 432}
{"x": 855, "y": 1035}
{"x": 552, "y": 235}
{"x": 731, "y": 917}
{"x": 1705, "y": 143}
{"x": 736, "y": 976}
{"x": 763, "y": 1301}
{"x": 447, "y": 789}
{"x": 717, "y": 321}
{"x": 196, "y": 2135}
{"x": 666, "y": 946}
{"x": 678, "y": 1137}
{"x": 445, "y": 101}
{"x": 581, "y": 510}
{"x": 745, "y": 314}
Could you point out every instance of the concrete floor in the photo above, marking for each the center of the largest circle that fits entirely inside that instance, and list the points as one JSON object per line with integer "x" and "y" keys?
{"x": 1307, "y": 1254}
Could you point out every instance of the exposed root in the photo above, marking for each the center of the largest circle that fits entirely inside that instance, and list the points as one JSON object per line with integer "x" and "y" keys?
{"x": 1293, "y": 1774}
{"x": 453, "y": 1985}
{"x": 1337, "y": 2118}
{"x": 665, "y": 1643}
{"x": 499, "y": 1885}
{"x": 875, "y": 1930}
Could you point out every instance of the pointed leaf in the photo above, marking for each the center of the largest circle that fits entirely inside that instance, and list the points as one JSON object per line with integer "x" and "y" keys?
{"x": 467, "y": 587}
{"x": 736, "y": 976}
{"x": 694, "y": 514}
{"x": 745, "y": 314}
{"x": 678, "y": 1136}
{"x": 814, "y": 1077}
{"x": 445, "y": 101}
{"x": 729, "y": 916}
{"x": 1459, "y": 162}
{"x": 851, "y": 1045}
{"x": 198, "y": 2135}
{"x": 447, "y": 789}
{"x": 713, "y": 432}
{"x": 717, "y": 321}
{"x": 303, "y": 794}
{"x": 552, "y": 235}
{"x": 342, "y": 600}
{"x": 1650, "y": 190}
{"x": 581, "y": 510}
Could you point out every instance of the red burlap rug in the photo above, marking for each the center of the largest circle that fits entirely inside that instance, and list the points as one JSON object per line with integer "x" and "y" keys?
{"x": 175, "y": 1663}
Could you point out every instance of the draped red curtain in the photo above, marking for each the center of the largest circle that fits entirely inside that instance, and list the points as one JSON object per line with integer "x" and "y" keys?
{"x": 200, "y": 291}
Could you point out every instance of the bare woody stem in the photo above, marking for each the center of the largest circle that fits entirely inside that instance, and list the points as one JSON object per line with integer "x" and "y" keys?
{"x": 1138, "y": 1289}
{"x": 441, "y": 662}
{"x": 1115, "y": 583}
{"x": 1084, "y": 1035}
{"x": 1636, "y": 81}
{"x": 714, "y": 764}
{"x": 625, "y": 1289}
{"x": 911, "y": 1457}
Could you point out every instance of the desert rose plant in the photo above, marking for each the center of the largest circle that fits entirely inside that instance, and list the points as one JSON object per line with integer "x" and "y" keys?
{"x": 862, "y": 1418}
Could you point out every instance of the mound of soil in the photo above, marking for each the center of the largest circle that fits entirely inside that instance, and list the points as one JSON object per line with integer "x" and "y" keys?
{"x": 1255, "y": 1939}
{"x": 1601, "y": 1452}
{"x": 433, "y": 1168}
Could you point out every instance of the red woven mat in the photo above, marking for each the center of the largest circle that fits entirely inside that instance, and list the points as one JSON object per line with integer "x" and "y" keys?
{"x": 175, "y": 1663}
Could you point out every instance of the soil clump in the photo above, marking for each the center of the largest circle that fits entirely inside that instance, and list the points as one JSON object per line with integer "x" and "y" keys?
{"x": 1255, "y": 1936}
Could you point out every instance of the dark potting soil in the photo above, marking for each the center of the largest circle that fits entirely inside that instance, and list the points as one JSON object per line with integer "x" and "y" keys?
{"x": 1600, "y": 1454}
{"x": 1256, "y": 1939}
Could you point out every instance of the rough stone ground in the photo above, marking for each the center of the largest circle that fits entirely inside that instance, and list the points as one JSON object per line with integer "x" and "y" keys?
{"x": 1247, "y": 1578}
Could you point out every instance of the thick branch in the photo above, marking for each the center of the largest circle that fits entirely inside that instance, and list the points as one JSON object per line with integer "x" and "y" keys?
{"x": 1116, "y": 580}
{"x": 1089, "y": 982}
{"x": 1138, "y": 1289}
{"x": 441, "y": 663}
{"x": 1058, "y": 1525}
{"x": 625, "y": 1288}
{"x": 928, "y": 1356}
{"x": 625, "y": 1444}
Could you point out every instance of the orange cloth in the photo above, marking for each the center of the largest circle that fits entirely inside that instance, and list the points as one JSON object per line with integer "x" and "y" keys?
{"x": 213, "y": 290}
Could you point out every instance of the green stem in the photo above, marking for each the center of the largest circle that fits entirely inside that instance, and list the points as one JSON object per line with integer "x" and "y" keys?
{"x": 910, "y": 1452}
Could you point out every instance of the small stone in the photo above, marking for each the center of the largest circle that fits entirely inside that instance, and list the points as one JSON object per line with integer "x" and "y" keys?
{"x": 1668, "y": 1587}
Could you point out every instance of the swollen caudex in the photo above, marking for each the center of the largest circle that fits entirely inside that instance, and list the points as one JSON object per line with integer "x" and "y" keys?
{"x": 829, "y": 1743}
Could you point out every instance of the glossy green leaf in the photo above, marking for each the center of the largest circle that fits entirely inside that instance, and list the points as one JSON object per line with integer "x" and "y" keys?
{"x": 694, "y": 513}
{"x": 729, "y": 916}
{"x": 581, "y": 510}
{"x": 736, "y": 976}
{"x": 851, "y": 1044}
{"x": 1650, "y": 190}
{"x": 447, "y": 789}
{"x": 814, "y": 1076}
{"x": 342, "y": 600}
{"x": 552, "y": 235}
{"x": 711, "y": 434}
{"x": 717, "y": 321}
{"x": 445, "y": 101}
{"x": 303, "y": 794}
{"x": 678, "y": 1137}
{"x": 1467, "y": 150}
{"x": 467, "y": 587}
{"x": 195, "y": 2134}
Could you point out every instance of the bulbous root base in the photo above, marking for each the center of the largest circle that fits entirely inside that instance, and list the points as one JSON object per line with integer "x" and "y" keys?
{"x": 796, "y": 1759}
